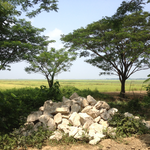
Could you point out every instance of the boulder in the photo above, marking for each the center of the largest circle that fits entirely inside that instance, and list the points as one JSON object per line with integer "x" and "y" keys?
{"x": 84, "y": 102}
{"x": 102, "y": 104}
{"x": 112, "y": 111}
{"x": 56, "y": 135}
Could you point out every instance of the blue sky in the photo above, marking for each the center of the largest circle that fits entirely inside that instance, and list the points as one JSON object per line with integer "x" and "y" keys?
{"x": 72, "y": 14}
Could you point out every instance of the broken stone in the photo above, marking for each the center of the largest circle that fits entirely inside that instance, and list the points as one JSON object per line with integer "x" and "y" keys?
{"x": 41, "y": 108}
{"x": 74, "y": 95}
{"x": 34, "y": 116}
{"x": 87, "y": 124}
{"x": 51, "y": 125}
{"x": 56, "y": 135}
{"x": 44, "y": 119}
{"x": 94, "y": 113}
{"x": 84, "y": 118}
{"x": 75, "y": 119}
{"x": 85, "y": 102}
{"x": 126, "y": 114}
{"x": 105, "y": 115}
{"x": 75, "y": 108}
{"x": 102, "y": 104}
{"x": 96, "y": 120}
{"x": 63, "y": 110}
{"x": 91, "y": 100}
{"x": 104, "y": 123}
{"x": 86, "y": 109}
{"x": 112, "y": 111}
{"x": 58, "y": 118}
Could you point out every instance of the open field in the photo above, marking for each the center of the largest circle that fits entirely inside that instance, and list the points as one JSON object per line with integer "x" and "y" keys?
{"x": 100, "y": 85}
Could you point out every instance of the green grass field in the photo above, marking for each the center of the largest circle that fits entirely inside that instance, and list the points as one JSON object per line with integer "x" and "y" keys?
{"x": 100, "y": 85}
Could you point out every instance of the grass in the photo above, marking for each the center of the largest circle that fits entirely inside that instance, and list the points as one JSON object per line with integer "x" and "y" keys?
{"x": 100, "y": 85}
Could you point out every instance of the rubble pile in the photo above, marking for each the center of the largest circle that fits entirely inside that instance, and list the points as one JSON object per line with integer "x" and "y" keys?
{"x": 77, "y": 116}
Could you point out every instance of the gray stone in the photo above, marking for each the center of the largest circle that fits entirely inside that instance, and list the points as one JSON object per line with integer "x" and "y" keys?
{"x": 44, "y": 119}
{"x": 74, "y": 95}
{"x": 102, "y": 104}
{"x": 75, "y": 108}
{"x": 34, "y": 116}
{"x": 126, "y": 114}
{"x": 105, "y": 115}
{"x": 51, "y": 124}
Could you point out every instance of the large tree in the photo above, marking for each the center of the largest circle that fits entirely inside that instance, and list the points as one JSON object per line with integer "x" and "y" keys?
{"x": 37, "y": 6}
{"x": 121, "y": 52}
{"x": 51, "y": 63}
{"x": 18, "y": 41}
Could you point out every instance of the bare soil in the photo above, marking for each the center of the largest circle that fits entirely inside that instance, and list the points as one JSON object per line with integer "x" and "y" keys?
{"x": 131, "y": 143}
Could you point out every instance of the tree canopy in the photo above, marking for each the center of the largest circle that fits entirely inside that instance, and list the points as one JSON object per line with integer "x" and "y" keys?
{"x": 121, "y": 52}
{"x": 18, "y": 38}
{"x": 51, "y": 63}
{"x": 37, "y": 6}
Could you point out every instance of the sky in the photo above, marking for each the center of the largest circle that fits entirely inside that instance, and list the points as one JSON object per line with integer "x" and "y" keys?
{"x": 72, "y": 14}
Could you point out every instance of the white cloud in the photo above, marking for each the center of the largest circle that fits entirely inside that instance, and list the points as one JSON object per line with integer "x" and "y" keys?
{"x": 55, "y": 33}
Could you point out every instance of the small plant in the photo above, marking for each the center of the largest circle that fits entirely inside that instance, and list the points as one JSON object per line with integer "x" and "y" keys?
{"x": 126, "y": 126}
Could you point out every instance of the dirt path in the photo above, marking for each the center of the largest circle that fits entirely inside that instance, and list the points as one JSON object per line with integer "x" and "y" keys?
{"x": 132, "y": 143}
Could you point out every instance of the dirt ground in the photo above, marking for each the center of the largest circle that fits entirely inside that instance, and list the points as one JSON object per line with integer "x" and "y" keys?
{"x": 132, "y": 143}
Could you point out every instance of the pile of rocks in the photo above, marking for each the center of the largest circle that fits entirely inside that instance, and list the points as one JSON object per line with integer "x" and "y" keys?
{"x": 76, "y": 116}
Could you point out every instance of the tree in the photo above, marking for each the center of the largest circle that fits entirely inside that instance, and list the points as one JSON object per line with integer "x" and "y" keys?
{"x": 51, "y": 63}
{"x": 121, "y": 52}
{"x": 40, "y": 5}
{"x": 19, "y": 42}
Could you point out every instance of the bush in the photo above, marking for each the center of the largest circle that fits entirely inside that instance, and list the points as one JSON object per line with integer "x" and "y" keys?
{"x": 126, "y": 126}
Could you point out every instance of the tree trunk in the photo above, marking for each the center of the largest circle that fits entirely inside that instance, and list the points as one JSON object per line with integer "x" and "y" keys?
{"x": 50, "y": 82}
{"x": 122, "y": 93}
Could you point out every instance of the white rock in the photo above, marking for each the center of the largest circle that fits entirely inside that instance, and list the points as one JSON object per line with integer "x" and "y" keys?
{"x": 126, "y": 114}
{"x": 84, "y": 117}
{"x": 75, "y": 119}
{"x": 104, "y": 123}
{"x": 73, "y": 131}
{"x": 41, "y": 108}
{"x": 112, "y": 111}
{"x": 64, "y": 128}
{"x": 80, "y": 134}
{"x": 96, "y": 120}
{"x": 63, "y": 110}
{"x": 102, "y": 104}
{"x": 87, "y": 124}
{"x": 86, "y": 109}
{"x": 91, "y": 100}
{"x": 94, "y": 113}
{"x": 85, "y": 102}
{"x": 65, "y": 121}
{"x": 94, "y": 141}
{"x": 58, "y": 118}
{"x": 56, "y": 135}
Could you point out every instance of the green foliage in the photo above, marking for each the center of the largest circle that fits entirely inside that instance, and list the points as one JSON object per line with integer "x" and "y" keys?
{"x": 37, "y": 6}
{"x": 16, "y": 105}
{"x": 13, "y": 140}
{"x": 126, "y": 126}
